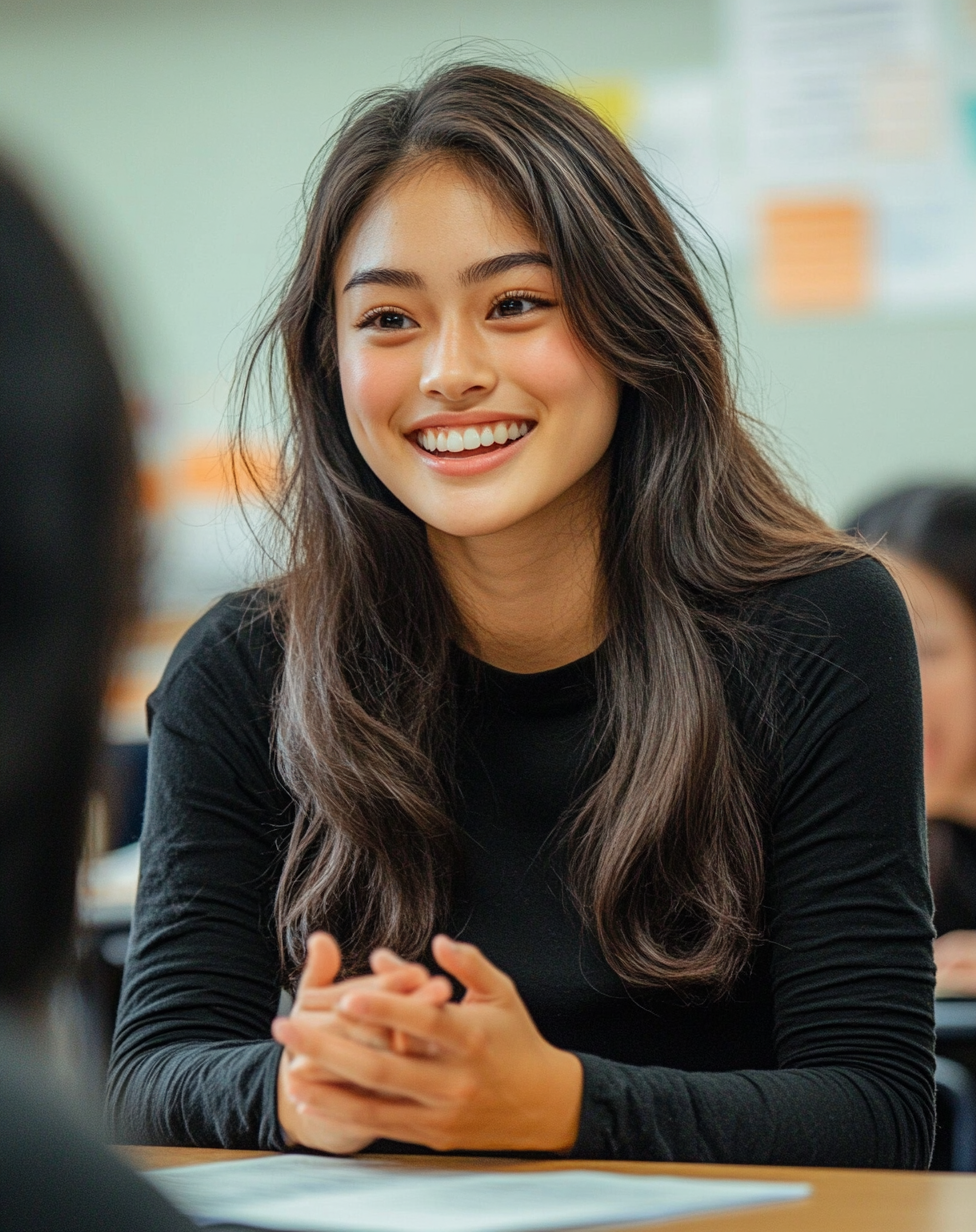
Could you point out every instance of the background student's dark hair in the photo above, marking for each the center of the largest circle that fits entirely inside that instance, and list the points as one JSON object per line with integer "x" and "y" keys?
{"x": 666, "y": 852}
{"x": 67, "y": 555}
{"x": 934, "y": 524}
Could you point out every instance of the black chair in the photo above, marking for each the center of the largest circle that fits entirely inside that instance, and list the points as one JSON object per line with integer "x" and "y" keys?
{"x": 955, "y": 1138}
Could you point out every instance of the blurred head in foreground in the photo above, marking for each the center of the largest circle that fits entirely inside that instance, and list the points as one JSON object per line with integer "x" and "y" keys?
{"x": 66, "y": 572}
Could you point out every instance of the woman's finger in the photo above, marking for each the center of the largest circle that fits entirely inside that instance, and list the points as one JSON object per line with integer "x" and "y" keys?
{"x": 404, "y": 979}
{"x": 956, "y": 946}
{"x": 382, "y": 960}
{"x": 323, "y": 961}
{"x": 359, "y": 1110}
{"x": 362, "y": 1033}
{"x": 466, "y": 963}
{"x": 308, "y": 1069}
{"x": 384, "y": 1072}
{"x": 437, "y": 991}
{"x": 331, "y": 1104}
{"x": 410, "y": 1015}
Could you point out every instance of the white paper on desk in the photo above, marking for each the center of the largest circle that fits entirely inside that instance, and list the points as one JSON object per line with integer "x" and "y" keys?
{"x": 302, "y": 1193}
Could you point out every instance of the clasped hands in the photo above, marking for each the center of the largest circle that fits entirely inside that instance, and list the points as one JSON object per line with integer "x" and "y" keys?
{"x": 390, "y": 1055}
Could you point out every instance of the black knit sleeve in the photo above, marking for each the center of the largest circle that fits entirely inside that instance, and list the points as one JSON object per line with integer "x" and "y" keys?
{"x": 848, "y": 908}
{"x": 193, "y": 1062}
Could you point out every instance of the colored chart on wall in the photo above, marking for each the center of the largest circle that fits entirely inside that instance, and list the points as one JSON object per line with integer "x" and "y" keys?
{"x": 859, "y": 155}
{"x": 833, "y": 147}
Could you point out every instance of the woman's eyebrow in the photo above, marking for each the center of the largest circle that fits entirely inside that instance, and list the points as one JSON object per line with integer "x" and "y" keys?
{"x": 381, "y": 276}
{"x": 483, "y": 270}
{"x": 479, "y": 272}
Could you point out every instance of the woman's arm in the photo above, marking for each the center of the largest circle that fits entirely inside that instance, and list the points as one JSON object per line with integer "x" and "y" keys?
{"x": 193, "y": 1062}
{"x": 849, "y": 912}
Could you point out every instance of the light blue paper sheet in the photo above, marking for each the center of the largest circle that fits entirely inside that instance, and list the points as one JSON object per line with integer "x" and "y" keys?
{"x": 302, "y": 1193}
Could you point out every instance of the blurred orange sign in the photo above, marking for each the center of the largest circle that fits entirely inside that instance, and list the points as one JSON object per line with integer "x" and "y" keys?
{"x": 209, "y": 472}
{"x": 815, "y": 255}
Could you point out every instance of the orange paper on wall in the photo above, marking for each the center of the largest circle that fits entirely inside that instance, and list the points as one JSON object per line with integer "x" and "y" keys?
{"x": 221, "y": 473}
{"x": 815, "y": 255}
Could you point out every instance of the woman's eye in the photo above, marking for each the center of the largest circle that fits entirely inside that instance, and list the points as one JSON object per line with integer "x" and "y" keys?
{"x": 389, "y": 320}
{"x": 514, "y": 306}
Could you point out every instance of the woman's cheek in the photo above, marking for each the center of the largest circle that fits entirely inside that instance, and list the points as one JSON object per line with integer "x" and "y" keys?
{"x": 375, "y": 384}
{"x": 551, "y": 367}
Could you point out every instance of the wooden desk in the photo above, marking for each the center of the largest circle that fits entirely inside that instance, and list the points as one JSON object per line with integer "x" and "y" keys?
{"x": 842, "y": 1201}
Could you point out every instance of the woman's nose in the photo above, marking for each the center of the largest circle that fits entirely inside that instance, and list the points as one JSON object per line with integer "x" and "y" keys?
{"x": 457, "y": 366}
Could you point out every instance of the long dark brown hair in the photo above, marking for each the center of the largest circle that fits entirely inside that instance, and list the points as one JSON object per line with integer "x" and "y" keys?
{"x": 666, "y": 848}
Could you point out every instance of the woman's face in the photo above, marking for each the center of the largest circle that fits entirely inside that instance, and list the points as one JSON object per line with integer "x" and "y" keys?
{"x": 945, "y": 630}
{"x": 464, "y": 388}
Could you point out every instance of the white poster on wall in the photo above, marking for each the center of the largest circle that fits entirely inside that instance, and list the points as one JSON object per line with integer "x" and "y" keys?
{"x": 858, "y": 159}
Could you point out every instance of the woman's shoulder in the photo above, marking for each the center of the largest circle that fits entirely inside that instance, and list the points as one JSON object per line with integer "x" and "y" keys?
{"x": 234, "y": 648}
{"x": 830, "y": 640}
{"x": 856, "y": 603}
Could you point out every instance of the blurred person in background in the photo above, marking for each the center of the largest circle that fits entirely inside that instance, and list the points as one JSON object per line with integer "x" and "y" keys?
{"x": 67, "y": 575}
{"x": 930, "y": 531}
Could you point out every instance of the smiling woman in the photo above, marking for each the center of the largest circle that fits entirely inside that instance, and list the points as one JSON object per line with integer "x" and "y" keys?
{"x": 558, "y": 666}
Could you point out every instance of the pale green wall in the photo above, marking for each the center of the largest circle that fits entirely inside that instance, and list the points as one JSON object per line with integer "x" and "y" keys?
{"x": 172, "y": 139}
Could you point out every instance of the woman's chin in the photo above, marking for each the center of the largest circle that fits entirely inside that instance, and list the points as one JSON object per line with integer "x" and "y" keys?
{"x": 470, "y": 529}
{"x": 478, "y": 522}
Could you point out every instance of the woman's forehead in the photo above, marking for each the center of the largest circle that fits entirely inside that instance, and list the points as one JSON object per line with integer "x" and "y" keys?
{"x": 438, "y": 216}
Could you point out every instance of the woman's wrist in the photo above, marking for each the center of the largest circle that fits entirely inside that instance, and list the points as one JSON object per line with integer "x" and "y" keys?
{"x": 563, "y": 1101}
{"x": 285, "y": 1110}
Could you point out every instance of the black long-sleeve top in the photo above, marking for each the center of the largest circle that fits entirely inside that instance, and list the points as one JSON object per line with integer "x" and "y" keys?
{"x": 822, "y": 1053}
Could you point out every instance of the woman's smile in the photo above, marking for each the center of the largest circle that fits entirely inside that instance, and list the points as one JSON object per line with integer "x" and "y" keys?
{"x": 467, "y": 440}
{"x": 471, "y": 449}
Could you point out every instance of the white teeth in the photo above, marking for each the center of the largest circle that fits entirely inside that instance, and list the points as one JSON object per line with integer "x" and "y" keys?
{"x": 454, "y": 440}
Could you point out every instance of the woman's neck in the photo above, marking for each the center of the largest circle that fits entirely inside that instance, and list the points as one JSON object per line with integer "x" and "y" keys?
{"x": 530, "y": 595}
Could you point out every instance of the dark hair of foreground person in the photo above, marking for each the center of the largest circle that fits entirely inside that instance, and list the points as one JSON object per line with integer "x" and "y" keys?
{"x": 67, "y": 575}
